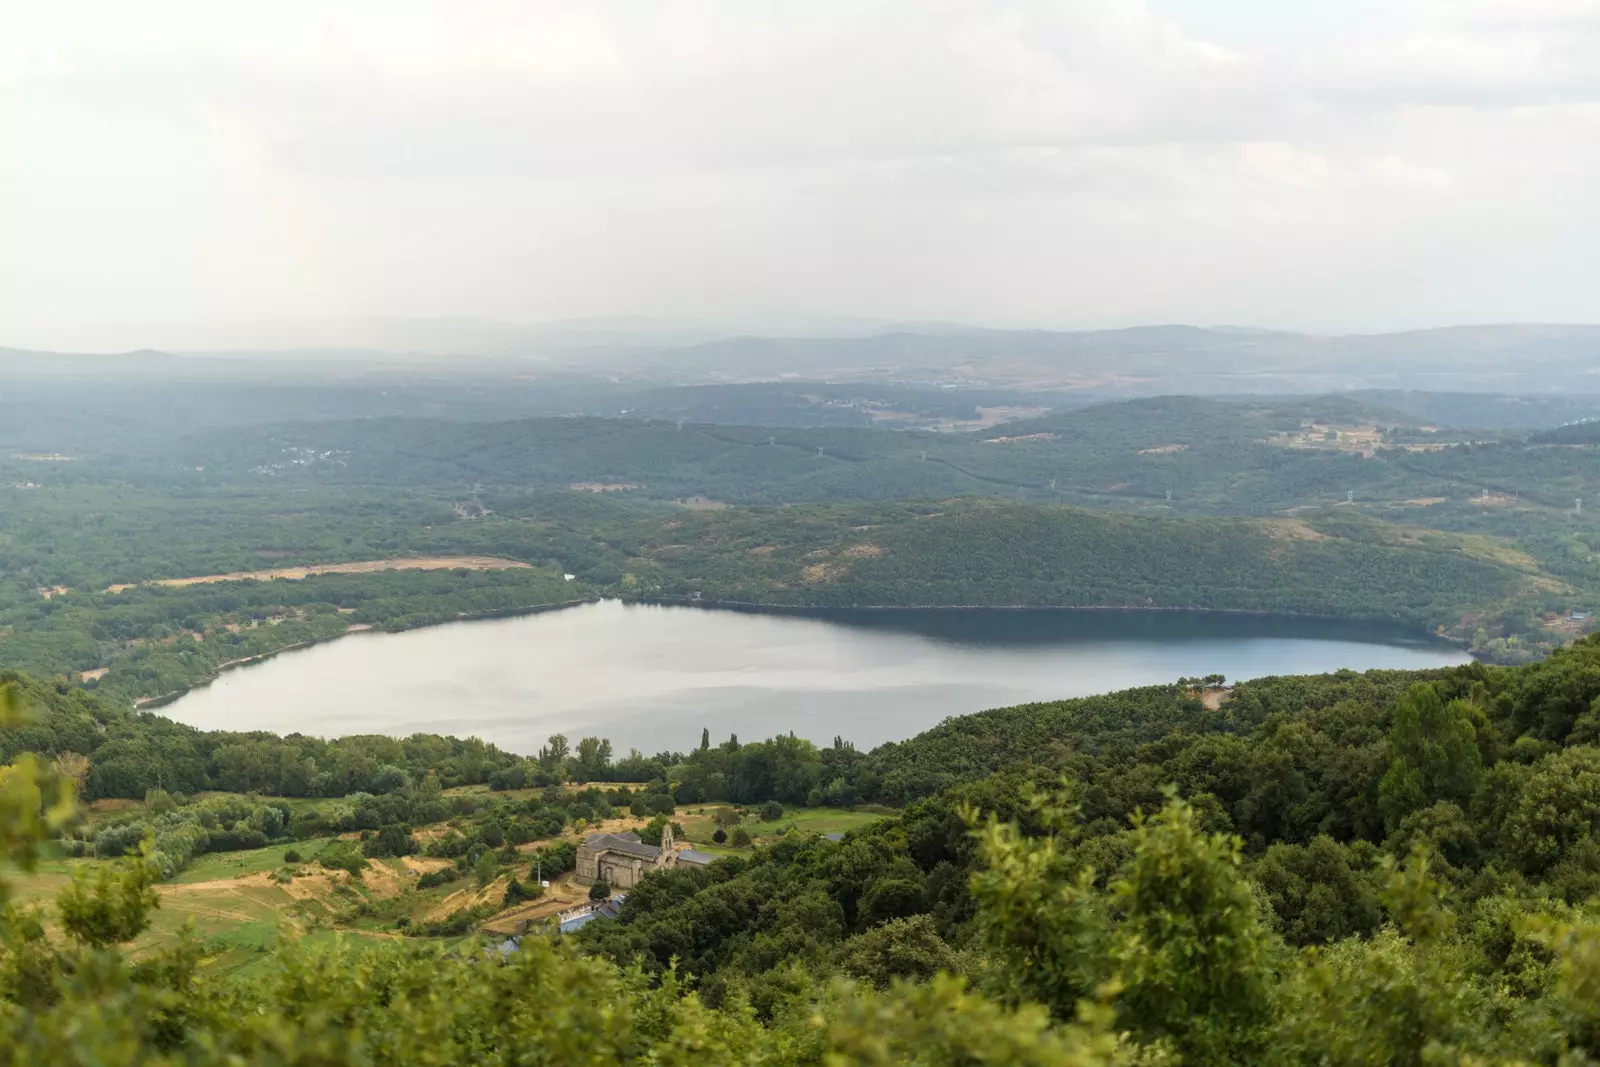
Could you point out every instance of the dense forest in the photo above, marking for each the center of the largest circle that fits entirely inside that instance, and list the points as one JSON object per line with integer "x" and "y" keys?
{"x": 150, "y": 640}
{"x": 1390, "y": 867}
{"x": 1339, "y": 506}
{"x": 1213, "y": 456}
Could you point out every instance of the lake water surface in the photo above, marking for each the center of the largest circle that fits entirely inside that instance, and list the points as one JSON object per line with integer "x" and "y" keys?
{"x": 651, "y": 677}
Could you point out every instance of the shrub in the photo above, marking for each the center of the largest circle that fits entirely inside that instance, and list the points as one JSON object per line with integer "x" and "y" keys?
{"x": 740, "y": 838}
{"x": 291, "y": 856}
{"x": 433, "y": 878}
{"x": 720, "y": 836}
{"x": 342, "y": 860}
{"x": 600, "y": 891}
{"x": 392, "y": 840}
{"x": 519, "y": 891}
{"x": 771, "y": 811}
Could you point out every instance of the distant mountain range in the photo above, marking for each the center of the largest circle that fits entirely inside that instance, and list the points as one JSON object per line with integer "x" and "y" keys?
{"x": 1513, "y": 358}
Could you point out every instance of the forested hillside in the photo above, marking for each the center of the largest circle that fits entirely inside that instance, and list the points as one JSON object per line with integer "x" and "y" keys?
{"x": 1336, "y": 507}
{"x": 1254, "y": 456}
{"x": 152, "y": 640}
{"x": 1349, "y": 869}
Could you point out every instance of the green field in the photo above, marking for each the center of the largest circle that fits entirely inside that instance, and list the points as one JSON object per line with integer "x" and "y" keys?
{"x": 215, "y": 865}
{"x": 698, "y": 825}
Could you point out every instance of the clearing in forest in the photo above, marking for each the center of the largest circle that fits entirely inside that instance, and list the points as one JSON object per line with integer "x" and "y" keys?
{"x": 409, "y": 563}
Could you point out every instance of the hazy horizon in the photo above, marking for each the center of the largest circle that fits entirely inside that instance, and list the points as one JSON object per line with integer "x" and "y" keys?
{"x": 448, "y": 336}
{"x": 190, "y": 175}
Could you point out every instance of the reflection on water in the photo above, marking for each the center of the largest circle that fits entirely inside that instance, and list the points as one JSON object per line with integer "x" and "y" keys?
{"x": 651, "y": 677}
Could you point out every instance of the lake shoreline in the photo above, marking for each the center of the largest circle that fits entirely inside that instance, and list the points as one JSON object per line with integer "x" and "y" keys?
{"x": 656, "y": 677}
{"x": 165, "y": 699}
{"x": 804, "y": 609}
{"x": 356, "y": 629}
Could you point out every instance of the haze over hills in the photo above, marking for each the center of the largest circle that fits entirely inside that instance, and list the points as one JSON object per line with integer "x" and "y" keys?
{"x": 1137, "y": 360}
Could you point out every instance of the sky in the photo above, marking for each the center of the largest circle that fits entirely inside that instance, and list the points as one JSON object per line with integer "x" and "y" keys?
{"x": 171, "y": 171}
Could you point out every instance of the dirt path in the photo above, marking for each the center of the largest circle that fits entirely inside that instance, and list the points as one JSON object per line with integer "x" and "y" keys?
{"x": 409, "y": 563}
{"x": 562, "y": 894}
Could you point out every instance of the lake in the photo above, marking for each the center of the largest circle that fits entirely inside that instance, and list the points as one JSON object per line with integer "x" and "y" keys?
{"x": 650, "y": 677}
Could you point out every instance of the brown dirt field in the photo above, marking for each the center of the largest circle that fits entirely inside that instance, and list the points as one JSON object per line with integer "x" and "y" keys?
{"x": 821, "y": 572}
{"x": 470, "y": 897}
{"x": 1215, "y": 698}
{"x": 1024, "y": 437}
{"x": 98, "y": 672}
{"x": 425, "y": 864}
{"x": 865, "y": 550}
{"x": 409, "y": 563}
{"x": 1163, "y": 450}
{"x": 763, "y": 550}
{"x": 1291, "y": 530}
{"x": 602, "y": 487}
{"x": 384, "y": 880}
{"x": 216, "y": 893}
{"x": 1425, "y": 501}
{"x": 317, "y": 886}
{"x": 428, "y": 834}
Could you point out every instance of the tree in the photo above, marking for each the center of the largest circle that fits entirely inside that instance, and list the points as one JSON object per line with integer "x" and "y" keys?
{"x": 600, "y": 891}
{"x": 740, "y": 838}
{"x": 771, "y": 811}
{"x": 1433, "y": 754}
{"x": 1180, "y": 936}
{"x": 111, "y": 907}
{"x": 486, "y": 868}
{"x": 891, "y": 898}
{"x": 1190, "y": 944}
{"x": 705, "y": 739}
{"x": 593, "y": 760}
{"x": 900, "y": 948}
{"x": 1318, "y": 893}
{"x": 652, "y": 832}
{"x": 1558, "y": 808}
{"x": 719, "y": 835}
{"x": 553, "y": 757}
{"x": 391, "y": 840}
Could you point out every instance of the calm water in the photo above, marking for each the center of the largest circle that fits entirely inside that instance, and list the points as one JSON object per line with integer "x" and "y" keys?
{"x": 651, "y": 677}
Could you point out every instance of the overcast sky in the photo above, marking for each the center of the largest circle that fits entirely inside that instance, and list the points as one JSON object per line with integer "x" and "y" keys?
{"x": 1318, "y": 164}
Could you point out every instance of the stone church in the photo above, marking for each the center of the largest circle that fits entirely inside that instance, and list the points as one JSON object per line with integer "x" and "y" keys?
{"x": 622, "y": 859}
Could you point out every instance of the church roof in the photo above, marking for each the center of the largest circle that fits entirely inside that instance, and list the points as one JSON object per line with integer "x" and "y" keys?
{"x": 627, "y": 844}
{"x": 696, "y": 858}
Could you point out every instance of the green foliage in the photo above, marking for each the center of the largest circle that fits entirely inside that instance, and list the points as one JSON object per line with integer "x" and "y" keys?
{"x": 1193, "y": 958}
{"x": 1319, "y": 892}
{"x": 908, "y": 948}
{"x": 600, "y": 891}
{"x": 486, "y": 869}
{"x": 340, "y": 857}
{"x": 110, "y": 906}
{"x": 1094, "y": 934}
{"x": 1557, "y": 809}
{"x": 1433, "y": 754}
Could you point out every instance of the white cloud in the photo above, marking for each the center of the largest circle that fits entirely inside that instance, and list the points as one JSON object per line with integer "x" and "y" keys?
{"x": 1073, "y": 161}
